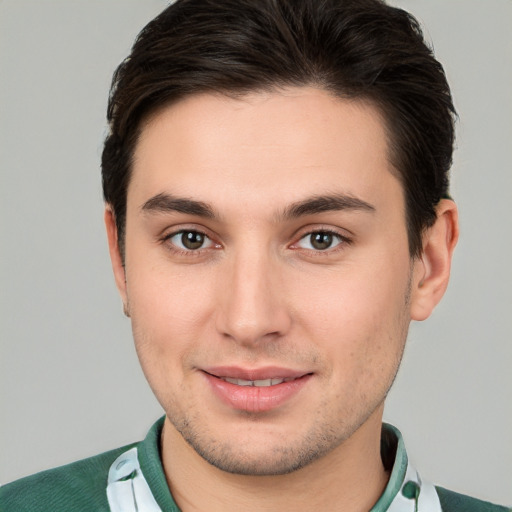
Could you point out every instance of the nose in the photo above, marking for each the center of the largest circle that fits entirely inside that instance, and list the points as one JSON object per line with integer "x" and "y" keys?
{"x": 252, "y": 303}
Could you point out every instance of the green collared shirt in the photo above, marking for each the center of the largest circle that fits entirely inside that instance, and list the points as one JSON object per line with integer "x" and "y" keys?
{"x": 132, "y": 478}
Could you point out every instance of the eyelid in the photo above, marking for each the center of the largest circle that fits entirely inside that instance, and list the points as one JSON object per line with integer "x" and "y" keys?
{"x": 169, "y": 233}
{"x": 207, "y": 241}
{"x": 310, "y": 230}
{"x": 340, "y": 234}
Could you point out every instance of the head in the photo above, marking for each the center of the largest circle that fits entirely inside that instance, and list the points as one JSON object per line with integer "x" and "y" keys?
{"x": 354, "y": 49}
{"x": 274, "y": 179}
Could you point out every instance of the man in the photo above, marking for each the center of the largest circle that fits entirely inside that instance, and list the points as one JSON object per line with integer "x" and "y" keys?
{"x": 277, "y": 212}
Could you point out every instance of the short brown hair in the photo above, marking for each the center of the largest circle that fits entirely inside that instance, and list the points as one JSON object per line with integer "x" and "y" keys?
{"x": 361, "y": 49}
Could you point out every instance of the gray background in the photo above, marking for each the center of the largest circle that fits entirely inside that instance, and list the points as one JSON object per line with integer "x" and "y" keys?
{"x": 70, "y": 382}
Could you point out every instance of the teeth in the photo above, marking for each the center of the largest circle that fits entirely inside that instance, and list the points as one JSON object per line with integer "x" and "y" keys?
{"x": 239, "y": 382}
{"x": 256, "y": 383}
{"x": 262, "y": 383}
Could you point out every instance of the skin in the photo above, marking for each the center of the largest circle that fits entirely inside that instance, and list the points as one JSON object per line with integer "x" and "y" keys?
{"x": 259, "y": 293}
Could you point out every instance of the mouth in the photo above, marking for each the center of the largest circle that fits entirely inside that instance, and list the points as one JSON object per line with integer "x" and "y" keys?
{"x": 258, "y": 383}
{"x": 256, "y": 390}
{"x": 257, "y": 377}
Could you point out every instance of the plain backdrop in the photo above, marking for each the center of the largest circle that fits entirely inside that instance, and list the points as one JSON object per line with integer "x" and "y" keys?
{"x": 71, "y": 385}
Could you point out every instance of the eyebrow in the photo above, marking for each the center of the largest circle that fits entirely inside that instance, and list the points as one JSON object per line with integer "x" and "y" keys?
{"x": 167, "y": 203}
{"x": 320, "y": 204}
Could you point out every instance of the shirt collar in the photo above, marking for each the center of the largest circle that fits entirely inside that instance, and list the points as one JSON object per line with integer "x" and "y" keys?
{"x": 137, "y": 481}
{"x": 405, "y": 491}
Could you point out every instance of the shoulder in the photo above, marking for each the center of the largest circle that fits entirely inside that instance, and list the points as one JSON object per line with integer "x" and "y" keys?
{"x": 455, "y": 502}
{"x": 79, "y": 486}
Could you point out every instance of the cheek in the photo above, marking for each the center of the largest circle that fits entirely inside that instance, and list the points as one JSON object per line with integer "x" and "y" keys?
{"x": 163, "y": 292}
{"x": 358, "y": 311}
{"x": 168, "y": 307}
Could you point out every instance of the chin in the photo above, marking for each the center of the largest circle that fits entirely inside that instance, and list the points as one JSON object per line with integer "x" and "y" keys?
{"x": 262, "y": 454}
{"x": 278, "y": 462}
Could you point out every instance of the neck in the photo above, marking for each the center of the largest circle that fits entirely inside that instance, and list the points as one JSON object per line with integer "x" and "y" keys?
{"x": 349, "y": 478}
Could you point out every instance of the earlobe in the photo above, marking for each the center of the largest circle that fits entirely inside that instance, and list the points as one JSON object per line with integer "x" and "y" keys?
{"x": 432, "y": 269}
{"x": 115, "y": 254}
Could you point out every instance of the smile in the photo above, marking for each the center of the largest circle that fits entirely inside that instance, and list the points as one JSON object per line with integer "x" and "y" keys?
{"x": 255, "y": 390}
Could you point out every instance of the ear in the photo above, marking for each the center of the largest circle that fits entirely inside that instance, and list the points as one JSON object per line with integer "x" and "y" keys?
{"x": 432, "y": 270}
{"x": 115, "y": 253}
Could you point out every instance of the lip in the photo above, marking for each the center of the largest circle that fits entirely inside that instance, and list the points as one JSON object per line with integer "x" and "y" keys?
{"x": 267, "y": 372}
{"x": 255, "y": 399}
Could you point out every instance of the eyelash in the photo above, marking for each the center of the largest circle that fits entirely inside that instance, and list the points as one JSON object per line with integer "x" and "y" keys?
{"x": 343, "y": 242}
{"x": 187, "y": 252}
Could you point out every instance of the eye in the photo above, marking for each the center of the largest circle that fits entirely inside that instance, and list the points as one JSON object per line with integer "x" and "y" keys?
{"x": 190, "y": 240}
{"x": 320, "y": 241}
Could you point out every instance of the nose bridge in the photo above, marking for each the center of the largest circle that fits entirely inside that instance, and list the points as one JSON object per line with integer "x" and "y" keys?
{"x": 252, "y": 305}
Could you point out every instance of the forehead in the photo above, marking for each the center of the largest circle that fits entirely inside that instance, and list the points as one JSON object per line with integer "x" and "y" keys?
{"x": 296, "y": 140}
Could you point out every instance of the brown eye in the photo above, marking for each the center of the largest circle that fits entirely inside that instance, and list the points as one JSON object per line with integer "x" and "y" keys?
{"x": 190, "y": 240}
{"x": 320, "y": 241}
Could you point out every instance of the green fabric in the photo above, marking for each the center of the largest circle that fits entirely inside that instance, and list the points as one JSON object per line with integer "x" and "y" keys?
{"x": 399, "y": 466}
{"x": 455, "y": 502}
{"x": 151, "y": 465}
{"x": 81, "y": 486}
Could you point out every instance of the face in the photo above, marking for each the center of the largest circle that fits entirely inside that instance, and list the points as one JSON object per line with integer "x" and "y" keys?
{"x": 267, "y": 273}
